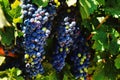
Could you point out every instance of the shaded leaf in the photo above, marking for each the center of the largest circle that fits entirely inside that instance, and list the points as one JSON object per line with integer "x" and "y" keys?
{"x": 7, "y": 36}
{"x": 99, "y": 73}
{"x": 65, "y": 77}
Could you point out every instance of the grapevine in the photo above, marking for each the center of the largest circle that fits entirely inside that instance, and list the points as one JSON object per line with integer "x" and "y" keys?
{"x": 59, "y": 40}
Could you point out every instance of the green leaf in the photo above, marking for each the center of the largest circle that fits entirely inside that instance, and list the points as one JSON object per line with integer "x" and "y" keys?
{"x": 112, "y": 8}
{"x": 11, "y": 74}
{"x": 91, "y": 69}
{"x": 117, "y": 62}
{"x": 42, "y": 3}
{"x": 105, "y": 71}
{"x": 2, "y": 59}
{"x": 6, "y": 8}
{"x": 19, "y": 34}
{"x": 99, "y": 73}
{"x": 5, "y": 4}
{"x": 115, "y": 12}
{"x": 101, "y": 2}
{"x": 114, "y": 47}
{"x": 87, "y": 8}
{"x": 3, "y": 21}
{"x": 53, "y": 76}
{"x": 101, "y": 40}
{"x": 15, "y": 12}
{"x": 20, "y": 78}
{"x": 7, "y": 36}
{"x": 65, "y": 77}
{"x": 18, "y": 72}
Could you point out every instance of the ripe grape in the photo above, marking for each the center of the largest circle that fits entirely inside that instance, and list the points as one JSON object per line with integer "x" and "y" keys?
{"x": 79, "y": 56}
{"x": 36, "y": 28}
{"x": 64, "y": 42}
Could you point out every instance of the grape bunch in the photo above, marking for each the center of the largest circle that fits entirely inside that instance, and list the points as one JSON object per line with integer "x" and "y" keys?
{"x": 64, "y": 42}
{"x": 36, "y": 29}
{"x": 27, "y": 8}
{"x": 79, "y": 56}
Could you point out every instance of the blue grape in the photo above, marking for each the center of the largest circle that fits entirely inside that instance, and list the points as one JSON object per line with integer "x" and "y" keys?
{"x": 64, "y": 42}
{"x": 80, "y": 56}
{"x": 36, "y": 28}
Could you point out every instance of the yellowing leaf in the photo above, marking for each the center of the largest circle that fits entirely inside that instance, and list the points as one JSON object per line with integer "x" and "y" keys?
{"x": 17, "y": 20}
{"x": 2, "y": 58}
{"x": 15, "y": 4}
{"x": 3, "y": 21}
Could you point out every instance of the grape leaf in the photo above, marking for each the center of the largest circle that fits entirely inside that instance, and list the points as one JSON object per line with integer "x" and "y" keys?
{"x": 15, "y": 4}
{"x": 87, "y": 7}
{"x": 65, "y": 77}
{"x": 71, "y": 2}
{"x": 112, "y": 8}
{"x": 41, "y": 2}
{"x": 53, "y": 76}
{"x": 2, "y": 59}
{"x": 115, "y": 12}
{"x": 17, "y": 20}
{"x": 102, "y": 72}
{"x": 99, "y": 73}
{"x": 11, "y": 74}
{"x": 15, "y": 12}
{"x": 6, "y": 8}
{"x": 5, "y": 4}
{"x": 117, "y": 62}
{"x": 114, "y": 47}
{"x": 3, "y": 21}
{"x": 101, "y": 2}
{"x": 101, "y": 40}
{"x": 7, "y": 36}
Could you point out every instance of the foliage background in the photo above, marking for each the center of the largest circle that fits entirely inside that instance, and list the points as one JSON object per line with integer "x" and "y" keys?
{"x": 99, "y": 18}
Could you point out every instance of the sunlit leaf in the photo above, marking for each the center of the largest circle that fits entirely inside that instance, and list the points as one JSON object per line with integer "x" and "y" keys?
{"x": 17, "y": 20}
{"x": 2, "y": 58}
{"x": 3, "y": 21}
{"x": 15, "y": 4}
{"x": 87, "y": 7}
{"x": 71, "y": 2}
{"x": 41, "y": 2}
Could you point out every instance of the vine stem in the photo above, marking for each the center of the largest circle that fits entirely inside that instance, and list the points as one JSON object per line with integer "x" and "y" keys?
{"x": 104, "y": 20}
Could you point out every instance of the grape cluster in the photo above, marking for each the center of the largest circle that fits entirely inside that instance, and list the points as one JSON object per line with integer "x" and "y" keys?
{"x": 36, "y": 29}
{"x": 79, "y": 56}
{"x": 27, "y": 8}
{"x": 64, "y": 42}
